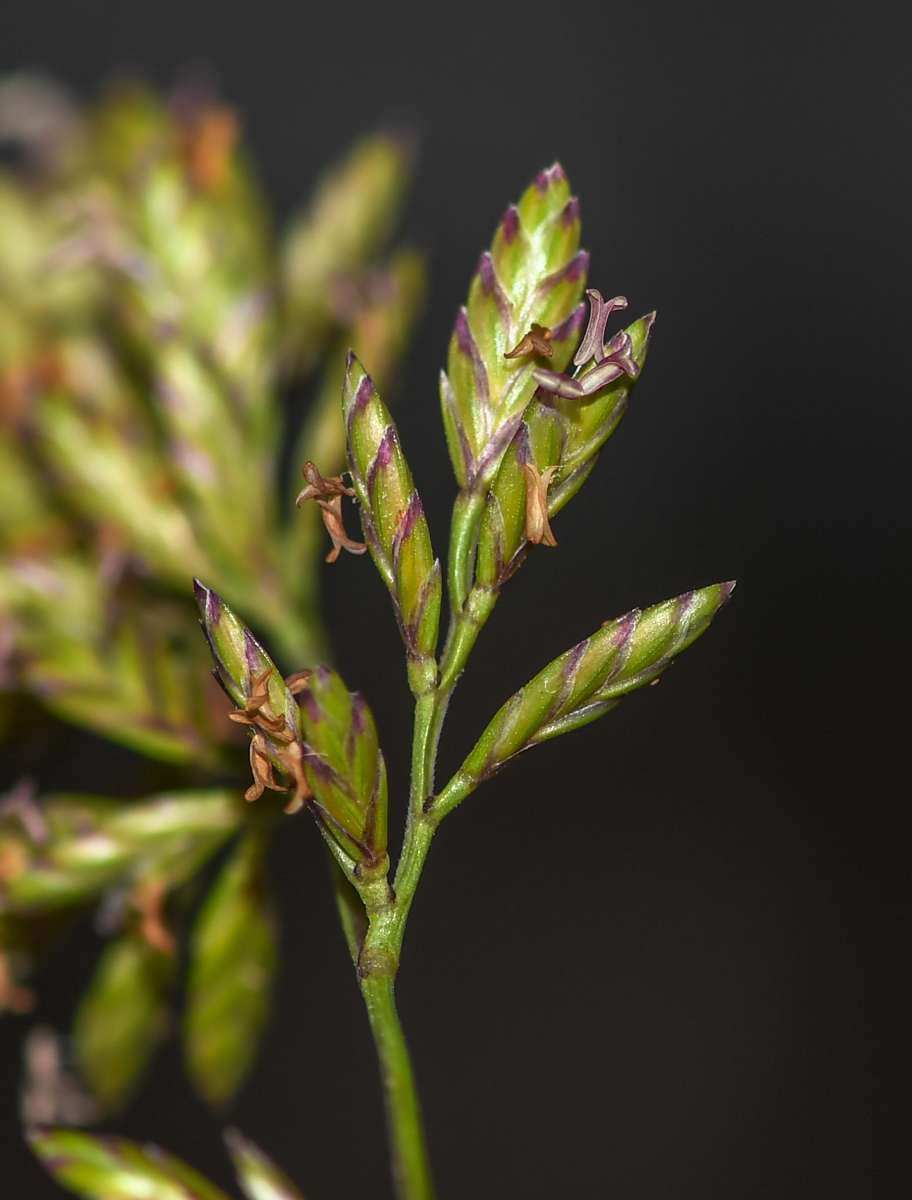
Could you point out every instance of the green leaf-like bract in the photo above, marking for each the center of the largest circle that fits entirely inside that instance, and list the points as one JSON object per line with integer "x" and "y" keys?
{"x": 110, "y": 1168}
{"x": 587, "y": 681}
{"x": 232, "y": 961}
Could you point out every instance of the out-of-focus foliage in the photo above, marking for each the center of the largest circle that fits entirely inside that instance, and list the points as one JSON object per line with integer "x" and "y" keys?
{"x": 151, "y": 324}
{"x": 109, "y": 1168}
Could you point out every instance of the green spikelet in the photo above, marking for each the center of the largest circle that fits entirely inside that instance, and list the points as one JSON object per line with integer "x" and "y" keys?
{"x": 395, "y": 527}
{"x": 345, "y": 768}
{"x": 265, "y": 704}
{"x": 232, "y": 961}
{"x": 88, "y": 843}
{"x": 534, "y": 273}
{"x": 565, "y": 434}
{"x": 122, "y": 1017}
{"x": 258, "y": 1176}
{"x": 98, "y": 1167}
{"x": 587, "y": 681}
{"x": 348, "y": 222}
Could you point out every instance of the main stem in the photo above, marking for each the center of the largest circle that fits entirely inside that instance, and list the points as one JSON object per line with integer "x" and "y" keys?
{"x": 411, "y": 1166}
{"x": 378, "y": 962}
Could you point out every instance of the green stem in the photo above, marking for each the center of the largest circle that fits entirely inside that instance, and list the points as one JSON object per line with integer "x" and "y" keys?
{"x": 467, "y": 513}
{"x": 378, "y": 961}
{"x": 378, "y": 964}
{"x": 411, "y": 1168}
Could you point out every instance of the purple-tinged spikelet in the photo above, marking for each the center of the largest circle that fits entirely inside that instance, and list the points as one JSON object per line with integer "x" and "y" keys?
{"x": 392, "y": 516}
{"x": 533, "y": 274}
{"x": 587, "y": 681}
{"x": 345, "y": 768}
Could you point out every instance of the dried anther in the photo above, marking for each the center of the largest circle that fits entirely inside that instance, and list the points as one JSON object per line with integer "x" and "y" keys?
{"x": 292, "y": 759}
{"x": 261, "y": 767}
{"x": 257, "y": 710}
{"x": 149, "y": 901}
{"x": 328, "y": 494}
{"x": 319, "y": 488}
{"x": 536, "y": 341}
{"x": 207, "y": 142}
{"x": 13, "y": 997}
{"x": 332, "y": 519}
{"x": 538, "y": 530}
{"x": 297, "y": 682}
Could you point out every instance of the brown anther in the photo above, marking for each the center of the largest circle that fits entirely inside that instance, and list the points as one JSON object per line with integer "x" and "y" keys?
{"x": 319, "y": 488}
{"x": 207, "y": 146}
{"x": 12, "y": 997}
{"x": 14, "y": 861}
{"x": 257, "y": 709}
{"x": 332, "y": 519}
{"x": 536, "y": 341}
{"x": 261, "y": 767}
{"x": 149, "y": 901}
{"x": 292, "y": 760}
{"x": 298, "y": 682}
{"x": 538, "y": 531}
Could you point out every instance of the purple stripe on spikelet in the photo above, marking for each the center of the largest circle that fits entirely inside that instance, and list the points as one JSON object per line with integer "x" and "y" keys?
{"x": 382, "y": 459}
{"x": 308, "y": 703}
{"x": 576, "y": 268}
{"x": 626, "y": 627}
{"x": 411, "y": 629}
{"x": 209, "y": 603}
{"x": 253, "y": 654}
{"x": 465, "y": 340}
{"x": 684, "y": 606}
{"x": 570, "y": 213}
{"x": 463, "y": 333}
{"x": 510, "y": 224}
{"x": 465, "y": 446}
{"x": 322, "y": 771}
{"x": 623, "y": 640}
{"x": 414, "y": 513}
{"x": 553, "y": 175}
{"x": 498, "y": 443}
{"x": 358, "y": 722}
{"x": 364, "y": 393}
{"x": 570, "y": 327}
{"x": 523, "y": 445}
{"x": 325, "y": 776}
{"x": 569, "y": 671}
{"x": 491, "y": 285}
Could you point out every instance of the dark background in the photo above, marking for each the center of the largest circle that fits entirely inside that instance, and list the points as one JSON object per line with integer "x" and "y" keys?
{"x": 667, "y": 958}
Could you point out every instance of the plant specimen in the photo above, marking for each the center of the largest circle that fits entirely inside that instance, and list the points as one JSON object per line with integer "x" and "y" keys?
{"x": 150, "y": 324}
{"x": 534, "y": 386}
